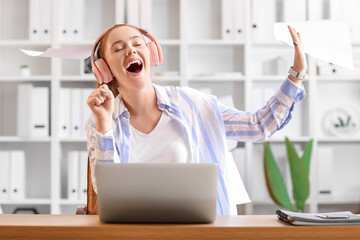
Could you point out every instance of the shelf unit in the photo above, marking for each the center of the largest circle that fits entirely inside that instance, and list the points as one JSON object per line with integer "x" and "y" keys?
{"x": 197, "y": 55}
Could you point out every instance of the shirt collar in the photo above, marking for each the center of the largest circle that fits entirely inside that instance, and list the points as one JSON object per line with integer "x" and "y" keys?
{"x": 163, "y": 102}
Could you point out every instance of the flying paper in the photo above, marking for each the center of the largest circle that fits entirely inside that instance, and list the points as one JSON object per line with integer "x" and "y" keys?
{"x": 70, "y": 52}
{"x": 327, "y": 40}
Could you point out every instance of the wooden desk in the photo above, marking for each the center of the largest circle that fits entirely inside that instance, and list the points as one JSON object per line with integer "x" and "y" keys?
{"x": 225, "y": 227}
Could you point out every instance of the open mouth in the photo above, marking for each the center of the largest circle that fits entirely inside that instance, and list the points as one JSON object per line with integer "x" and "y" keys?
{"x": 134, "y": 66}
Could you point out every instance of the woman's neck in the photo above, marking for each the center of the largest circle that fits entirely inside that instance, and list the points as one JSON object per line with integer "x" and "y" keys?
{"x": 140, "y": 101}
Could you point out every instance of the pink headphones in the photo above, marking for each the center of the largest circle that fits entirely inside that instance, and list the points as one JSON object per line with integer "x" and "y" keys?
{"x": 102, "y": 70}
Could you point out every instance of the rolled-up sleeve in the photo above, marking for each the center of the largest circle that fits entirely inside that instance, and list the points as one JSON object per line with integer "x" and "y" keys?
{"x": 259, "y": 126}
{"x": 100, "y": 147}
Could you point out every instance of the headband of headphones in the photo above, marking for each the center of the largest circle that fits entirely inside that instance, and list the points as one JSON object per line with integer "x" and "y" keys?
{"x": 102, "y": 70}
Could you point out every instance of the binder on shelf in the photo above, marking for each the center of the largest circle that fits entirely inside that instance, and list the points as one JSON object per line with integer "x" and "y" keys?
{"x": 65, "y": 13}
{"x": 17, "y": 175}
{"x": 40, "y": 111}
{"x": 77, "y": 20}
{"x": 73, "y": 175}
{"x": 120, "y": 11}
{"x": 2, "y": 101}
{"x": 34, "y": 20}
{"x": 83, "y": 160}
{"x": 227, "y": 19}
{"x": 4, "y": 175}
{"x": 145, "y": 14}
{"x": 132, "y": 10}
{"x": 24, "y": 110}
{"x": 76, "y": 111}
{"x": 45, "y": 22}
{"x": 263, "y": 18}
{"x": 325, "y": 158}
{"x": 65, "y": 112}
{"x": 326, "y": 69}
{"x": 239, "y": 20}
{"x": 85, "y": 110}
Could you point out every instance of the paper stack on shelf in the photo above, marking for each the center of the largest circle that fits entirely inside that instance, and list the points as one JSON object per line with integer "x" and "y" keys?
{"x": 12, "y": 175}
{"x": 77, "y": 175}
{"x": 33, "y": 111}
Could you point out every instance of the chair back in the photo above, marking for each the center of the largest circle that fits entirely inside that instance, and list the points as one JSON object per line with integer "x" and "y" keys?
{"x": 92, "y": 202}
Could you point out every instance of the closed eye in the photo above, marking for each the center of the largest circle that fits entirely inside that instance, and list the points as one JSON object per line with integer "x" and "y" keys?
{"x": 119, "y": 49}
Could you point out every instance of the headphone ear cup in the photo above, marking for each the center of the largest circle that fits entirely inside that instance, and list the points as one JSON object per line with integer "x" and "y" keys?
{"x": 154, "y": 54}
{"x": 102, "y": 71}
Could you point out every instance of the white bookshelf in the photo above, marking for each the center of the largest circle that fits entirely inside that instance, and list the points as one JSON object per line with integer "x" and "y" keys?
{"x": 197, "y": 55}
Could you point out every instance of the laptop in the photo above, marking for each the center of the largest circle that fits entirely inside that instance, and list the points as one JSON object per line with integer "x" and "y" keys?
{"x": 156, "y": 192}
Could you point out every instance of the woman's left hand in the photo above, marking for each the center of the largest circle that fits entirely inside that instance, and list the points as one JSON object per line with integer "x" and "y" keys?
{"x": 300, "y": 64}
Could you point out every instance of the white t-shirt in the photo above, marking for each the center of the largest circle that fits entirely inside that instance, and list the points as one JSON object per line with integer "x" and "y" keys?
{"x": 166, "y": 143}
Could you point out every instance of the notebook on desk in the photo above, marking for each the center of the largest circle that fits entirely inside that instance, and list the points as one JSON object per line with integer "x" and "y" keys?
{"x": 318, "y": 219}
{"x": 156, "y": 192}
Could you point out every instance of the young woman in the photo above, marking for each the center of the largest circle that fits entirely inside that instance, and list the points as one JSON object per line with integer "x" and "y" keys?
{"x": 135, "y": 120}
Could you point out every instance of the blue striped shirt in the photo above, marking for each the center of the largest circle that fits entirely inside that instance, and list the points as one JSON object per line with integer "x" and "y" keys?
{"x": 207, "y": 123}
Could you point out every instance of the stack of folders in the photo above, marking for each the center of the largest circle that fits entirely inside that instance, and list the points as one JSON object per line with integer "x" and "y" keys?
{"x": 318, "y": 219}
{"x": 12, "y": 175}
{"x": 77, "y": 175}
{"x": 32, "y": 111}
{"x": 74, "y": 112}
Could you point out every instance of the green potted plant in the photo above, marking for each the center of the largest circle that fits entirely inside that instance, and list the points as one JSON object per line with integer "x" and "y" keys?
{"x": 299, "y": 169}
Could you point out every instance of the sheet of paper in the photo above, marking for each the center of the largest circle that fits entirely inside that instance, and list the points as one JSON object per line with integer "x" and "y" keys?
{"x": 327, "y": 40}
{"x": 70, "y": 52}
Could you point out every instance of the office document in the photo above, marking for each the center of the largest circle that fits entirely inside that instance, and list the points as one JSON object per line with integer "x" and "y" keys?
{"x": 327, "y": 40}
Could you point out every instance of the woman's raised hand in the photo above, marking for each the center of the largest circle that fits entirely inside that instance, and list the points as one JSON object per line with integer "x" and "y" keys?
{"x": 300, "y": 64}
{"x": 101, "y": 102}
